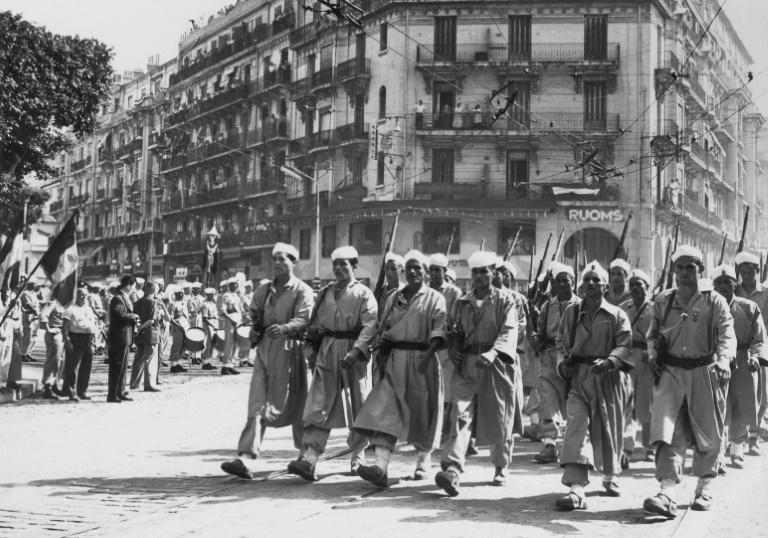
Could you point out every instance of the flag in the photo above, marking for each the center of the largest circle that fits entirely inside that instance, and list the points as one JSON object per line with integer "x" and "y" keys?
{"x": 11, "y": 254}
{"x": 60, "y": 262}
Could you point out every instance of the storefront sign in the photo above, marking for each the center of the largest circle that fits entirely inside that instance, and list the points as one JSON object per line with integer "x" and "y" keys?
{"x": 595, "y": 215}
{"x": 181, "y": 272}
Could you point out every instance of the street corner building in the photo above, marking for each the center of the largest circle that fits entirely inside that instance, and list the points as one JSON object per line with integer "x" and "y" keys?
{"x": 476, "y": 119}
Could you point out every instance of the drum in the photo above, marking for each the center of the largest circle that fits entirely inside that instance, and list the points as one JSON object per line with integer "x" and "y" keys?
{"x": 218, "y": 341}
{"x": 235, "y": 318}
{"x": 183, "y": 323}
{"x": 242, "y": 336}
{"x": 194, "y": 339}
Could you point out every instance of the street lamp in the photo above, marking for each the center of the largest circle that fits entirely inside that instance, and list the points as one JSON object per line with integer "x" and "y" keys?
{"x": 299, "y": 175}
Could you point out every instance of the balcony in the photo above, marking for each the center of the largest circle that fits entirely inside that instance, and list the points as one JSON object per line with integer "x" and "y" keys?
{"x": 484, "y": 193}
{"x": 106, "y": 155}
{"x": 221, "y": 99}
{"x": 309, "y": 144}
{"x": 94, "y": 271}
{"x": 535, "y": 122}
{"x": 666, "y": 74}
{"x": 355, "y": 75}
{"x": 101, "y": 194}
{"x": 78, "y": 200}
{"x": 499, "y": 54}
{"x": 56, "y": 206}
{"x": 135, "y": 190}
{"x": 76, "y": 166}
{"x": 264, "y": 235}
{"x": 310, "y": 31}
{"x": 128, "y": 149}
{"x": 315, "y": 83}
{"x": 271, "y": 133}
{"x": 233, "y": 141}
{"x": 98, "y": 233}
{"x": 284, "y": 22}
{"x": 183, "y": 246}
{"x": 117, "y": 194}
{"x": 353, "y": 137}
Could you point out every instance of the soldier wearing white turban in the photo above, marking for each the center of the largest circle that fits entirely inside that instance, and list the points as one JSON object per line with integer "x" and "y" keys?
{"x": 618, "y": 290}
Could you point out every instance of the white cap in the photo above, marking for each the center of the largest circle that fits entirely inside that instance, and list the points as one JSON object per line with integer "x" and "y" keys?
{"x": 197, "y": 285}
{"x": 209, "y": 291}
{"x": 482, "y": 258}
{"x": 140, "y": 281}
{"x": 344, "y": 253}
{"x": 450, "y": 273}
{"x": 509, "y": 266}
{"x": 556, "y": 268}
{"x": 724, "y": 269}
{"x": 622, "y": 264}
{"x": 689, "y": 251}
{"x": 213, "y": 231}
{"x": 417, "y": 255}
{"x": 113, "y": 284}
{"x": 186, "y": 285}
{"x": 640, "y": 275}
{"x": 747, "y": 257}
{"x": 285, "y": 248}
{"x": 97, "y": 285}
{"x": 392, "y": 257}
{"x": 172, "y": 290}
{"x": 595, "y": 267}
{"x": 438, "y": 260}
{"x": 248, "y": 284}
{"x": 160, "y": 281}
{"x": 240, "y": 277}
{"x": 232, "y": 280}
{"x": 223, "y": 283}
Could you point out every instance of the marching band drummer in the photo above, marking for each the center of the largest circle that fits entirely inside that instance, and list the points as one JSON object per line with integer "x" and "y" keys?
{"x": 179, "y": 323}
{"x": 244, "y": 355}
{"x": 231, "y": 315}
{"x": 209, "y": 314}
{"x": 193, "y": 303}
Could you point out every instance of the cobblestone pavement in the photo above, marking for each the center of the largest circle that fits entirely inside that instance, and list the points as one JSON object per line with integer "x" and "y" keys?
{"x": 151, "y": 468}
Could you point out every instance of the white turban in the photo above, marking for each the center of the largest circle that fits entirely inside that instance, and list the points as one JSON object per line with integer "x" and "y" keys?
{"x": 197, "y": 285}
{"x": 747, "y": 257}
{"x": 509, "y": 266}
{"x": 640, "y": 275}
{"x": 482, "y": 258}
{"x": 287, "y": 249}
{"x": 556, "y": 268}
{"x": 595, "y": 267}
{"x": 416, "y": 255}
{"x": 344, "y": 253}
{"x": 618, "y": 262}
{"x": 725, "y": 269}
{"x": 392, "y": 257}
{"x": 209, "y": 291}
{"x": 450, "y": 273}
{"x": 438, "y": 260}
{"x": 689, "y": 251}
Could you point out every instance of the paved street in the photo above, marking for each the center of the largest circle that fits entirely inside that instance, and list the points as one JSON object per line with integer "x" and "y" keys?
{"x": 151, "y": 467}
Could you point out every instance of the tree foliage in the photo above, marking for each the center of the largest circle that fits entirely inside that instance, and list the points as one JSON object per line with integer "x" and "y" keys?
{"x": 49, "y": 85}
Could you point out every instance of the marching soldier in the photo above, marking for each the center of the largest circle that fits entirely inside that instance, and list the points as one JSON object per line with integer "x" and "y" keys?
{"x": 748, "y": 267}
{"x": 594, "y": 344}
{"x": 618, "y": 291}
{"x": 179, "y": 324}
{"x": 209, "y": 314}
{"x": 393, "y": 274}
{"x": 231, "y": 316}
{"x": 691, "y": 345}
{"x": 743, "y": 402}
{"x": 341, "y": 326}
{"x": 638, "y": 310}
{"x": 552, "y": 387}
{"x": 280, "y": 313}
{"x": 406, "y": 403}
{"x": 483, "y": 347}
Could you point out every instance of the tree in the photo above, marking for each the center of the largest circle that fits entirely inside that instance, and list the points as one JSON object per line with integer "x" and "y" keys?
{"x": 51, "y": 87}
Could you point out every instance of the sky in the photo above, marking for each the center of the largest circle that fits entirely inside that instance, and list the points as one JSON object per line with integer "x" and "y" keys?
{"x": 138, "y": 29}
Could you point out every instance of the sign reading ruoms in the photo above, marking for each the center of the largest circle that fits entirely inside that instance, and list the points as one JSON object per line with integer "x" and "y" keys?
{"x": 596, "y": 215}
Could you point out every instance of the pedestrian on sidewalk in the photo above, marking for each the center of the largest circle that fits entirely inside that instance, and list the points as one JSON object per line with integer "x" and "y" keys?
{"x": 483, "y": 348}
{"x": 30, "y": 310}
{"x": 78, "y": 330}
{"x": 280, "y": 313}
{"x": 14, "y": 367}
{"x": 52, "y": 321}
{"x": 407, "y": 402}
{"x": 209, "y": 313}
{"x": 121, "y": 323}
{"x": 6, "y": 341}
{"x": 178, "y": 325}
{"x": 691, "y": 346}
{"x": 594, "y": 344}
{"x": 341, "y": 326}
{"x": 145, "y": 360}
{"x": 231, "y": 316}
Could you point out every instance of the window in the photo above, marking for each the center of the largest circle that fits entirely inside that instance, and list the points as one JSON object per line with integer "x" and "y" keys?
{"x": 595, "y": 37}
{"x": 520, "y": 38}
{"x": 380, "y": 168}
{"x": 442, "y": 165}
{"x": 366, "y": 237}
{"x": 525, "y": 241}
{"x": 595, "y": 106}
{"x": 437, "y": 236}
{"x": 520, "y": 111}
{"x": 445, "y": 39}
{"x": 517, "y": 170}
{"x": 382, "y": 37}
{"x": 328, "y": 244}
{"x": 355, "y": 167}
{"x": 305, "y": 238}
{"x": 382, "y": 102}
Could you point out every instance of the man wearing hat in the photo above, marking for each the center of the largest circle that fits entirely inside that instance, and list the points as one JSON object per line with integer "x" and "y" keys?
{"x": 138, "y": 290}
{"x": 209, "y": 314}
{"x": 483, "y": 348}
{"x": 193, "y": 302}
{"x": 617, "y": 291}
{"x": 121, "y": 324}
{"x": 552, "y": 387}
{"x": 406, "y": 403}
{"x": 280, "y": 312}
{"x": 179, "y": 322}
{"x": 594, "y": 343}
{"x": 341, "y": 326}
{"x": 145, "y": 360}
{"x": 52, "y": 319}
{"x": 231, "y": 316}
{"x": 30, "y": 315}
{"x": 246, "y": 298}
{"x": 393, "y": 274}
{"x": 748, "y": 268}
{"x": 743, "y": 401}
{"x": 638, "y": 310}
{"x": 691, "y": 345}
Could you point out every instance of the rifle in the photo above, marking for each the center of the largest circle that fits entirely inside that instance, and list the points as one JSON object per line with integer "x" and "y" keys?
{"x": 620, "y": 247}
{"x": 378, "y": 291}
{"x": 450, "y": 241}
{"x": 670, "y": 274}
{"x": 722, "y": 249}
{"x": 663, "y": 276}
{"x": 513, "y": 245}
{"x": 530, "y": 265}
{"x": 542, "y": 289}
{"x": 482, "y": 244}
{"x": 533, "y": 288}
{"x": 743, "y": 231}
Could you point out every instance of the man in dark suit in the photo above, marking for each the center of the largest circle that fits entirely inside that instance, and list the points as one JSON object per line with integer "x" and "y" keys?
{"x": 120, "y": 338}
{"x": 147, "y": 337}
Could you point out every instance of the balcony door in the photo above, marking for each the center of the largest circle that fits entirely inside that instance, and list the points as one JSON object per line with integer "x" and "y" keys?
{"x": 442, "y": 165}
{"x": 595, "y": 106}
{"x": 521, "y": 108}
{"x": 520, "y": 38}
{"x": 595, "y": 37}
{"x": 517, "y": 170}
{"x": 445, "y": 39}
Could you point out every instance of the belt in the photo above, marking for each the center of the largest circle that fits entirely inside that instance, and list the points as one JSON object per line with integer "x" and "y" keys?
{"x": 687, "y": 364}
{"x": 409, "y": 346}
{"x": 639, "y": 345}
{"x": 72, "y": 333}
{"x": 548, "y": 342}
{"x": 477, "y": 349}
{"x": 341, "y": 335}
{"x": 742, "y": 347}
{"x": 581, "y": 359}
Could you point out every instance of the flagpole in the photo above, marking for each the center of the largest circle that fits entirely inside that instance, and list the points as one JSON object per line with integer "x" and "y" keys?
{"x": 32, "y": 272}
{"x": 23, "y": 233}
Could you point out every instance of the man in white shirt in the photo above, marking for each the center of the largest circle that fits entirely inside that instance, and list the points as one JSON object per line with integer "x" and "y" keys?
{"x": 78, "y": 330}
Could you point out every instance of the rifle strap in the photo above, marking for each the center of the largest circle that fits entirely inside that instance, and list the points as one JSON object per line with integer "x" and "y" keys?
{"x": 574, "y": 326}
{"x": 639, "y": 314}
{"x": 320, "y": 297}
{"x": 668, "y": 307}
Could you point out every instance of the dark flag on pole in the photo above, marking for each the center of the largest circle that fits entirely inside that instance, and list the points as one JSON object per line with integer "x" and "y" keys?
{"x": 11, "y": 254}
{"x": 60, "y": 262}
